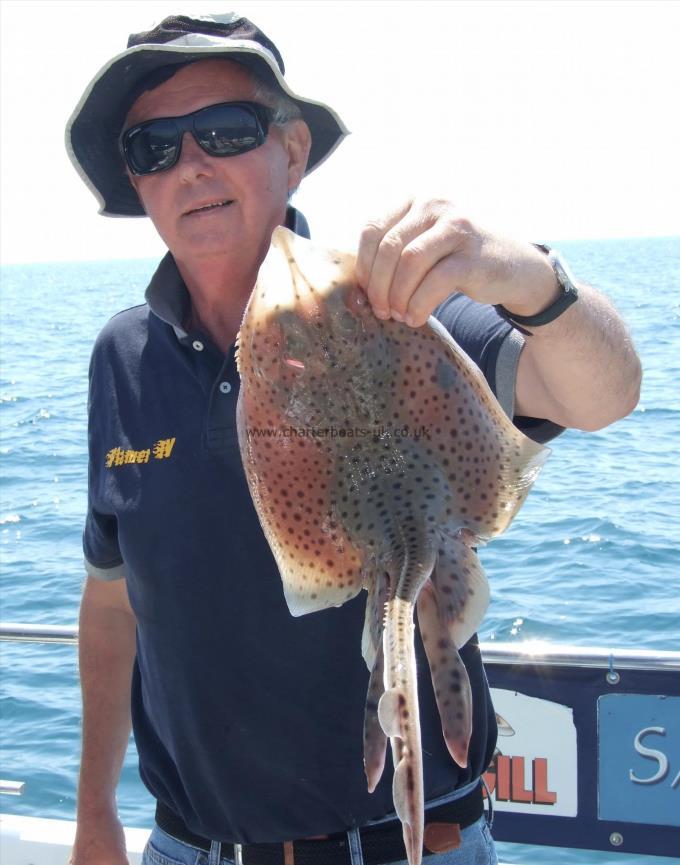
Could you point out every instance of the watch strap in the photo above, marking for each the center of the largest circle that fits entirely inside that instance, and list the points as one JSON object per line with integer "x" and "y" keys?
{"x": 568, "y": 295}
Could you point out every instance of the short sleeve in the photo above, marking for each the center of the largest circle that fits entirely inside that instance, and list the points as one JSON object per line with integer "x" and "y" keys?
{"x": 103, "y": 559}
{"x": 495, "y": 346}
{"x": 100, "y": 546}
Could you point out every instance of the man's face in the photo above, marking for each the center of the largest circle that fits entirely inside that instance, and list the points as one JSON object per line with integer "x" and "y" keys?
{"x": 251, "y": 188}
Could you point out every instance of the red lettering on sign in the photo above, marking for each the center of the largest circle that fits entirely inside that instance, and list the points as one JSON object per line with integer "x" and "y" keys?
{"x": 542, "y": 796}
{"x": 519, "y": 792}
{"x": 505, "y": 778}
{"x": 502, "y": 778}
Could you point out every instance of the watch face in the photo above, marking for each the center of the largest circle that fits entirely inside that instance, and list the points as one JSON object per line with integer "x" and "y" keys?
{"x": 564, "y": 275}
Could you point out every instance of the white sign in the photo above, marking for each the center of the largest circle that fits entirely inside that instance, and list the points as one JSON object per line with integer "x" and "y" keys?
{"x": 534, "y": 767}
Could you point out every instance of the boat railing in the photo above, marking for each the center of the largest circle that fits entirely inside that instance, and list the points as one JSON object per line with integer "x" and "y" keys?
{"x": 537, "y": 652}
{"x": 24, "y": 633}
{"x": 588, "y": 748}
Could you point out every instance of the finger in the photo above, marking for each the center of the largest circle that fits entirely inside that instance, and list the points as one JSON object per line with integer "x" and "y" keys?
{"x": 443, "y": 239}
{"x": 445, "y": 278}
{"x": 369, "y": 244}
{"x": 386, "y": 262}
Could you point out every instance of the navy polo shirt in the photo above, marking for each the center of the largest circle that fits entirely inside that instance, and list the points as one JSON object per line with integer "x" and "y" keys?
{"x": 248, "y": 722}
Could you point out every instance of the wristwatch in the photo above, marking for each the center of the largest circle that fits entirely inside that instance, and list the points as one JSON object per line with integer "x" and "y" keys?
{"x": 569, "y": 295}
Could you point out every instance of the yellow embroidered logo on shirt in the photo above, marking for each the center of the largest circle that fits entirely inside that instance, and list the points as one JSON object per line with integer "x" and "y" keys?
{"x": 161, "y": 450}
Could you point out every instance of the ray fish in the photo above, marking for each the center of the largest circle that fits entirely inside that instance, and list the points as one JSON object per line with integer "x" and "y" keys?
{"x": 377, "y": 458}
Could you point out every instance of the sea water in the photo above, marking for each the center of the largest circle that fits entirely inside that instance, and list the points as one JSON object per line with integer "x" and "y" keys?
{"x": 592, "y": 558}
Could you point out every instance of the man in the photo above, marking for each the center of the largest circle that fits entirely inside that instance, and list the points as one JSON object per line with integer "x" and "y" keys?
{"x": 247, "y": 721}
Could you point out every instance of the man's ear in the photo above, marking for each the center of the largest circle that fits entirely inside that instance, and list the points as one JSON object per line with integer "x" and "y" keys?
{"x": 298, "y": 143}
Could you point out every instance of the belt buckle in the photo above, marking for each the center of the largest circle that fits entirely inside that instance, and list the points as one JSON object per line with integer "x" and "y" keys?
{"x": 288, "y": 855}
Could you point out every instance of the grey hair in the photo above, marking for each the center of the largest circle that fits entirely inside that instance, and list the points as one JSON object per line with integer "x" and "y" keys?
{"x": 285, "y": 110}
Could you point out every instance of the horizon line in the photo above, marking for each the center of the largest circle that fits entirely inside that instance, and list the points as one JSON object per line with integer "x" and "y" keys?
{"x": 140, "y": 258}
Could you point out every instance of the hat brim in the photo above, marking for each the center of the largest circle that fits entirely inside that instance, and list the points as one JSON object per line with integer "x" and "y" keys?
{"x": 94, "y": 127}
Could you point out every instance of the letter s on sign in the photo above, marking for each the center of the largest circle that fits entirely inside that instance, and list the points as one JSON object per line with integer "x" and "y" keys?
{"x": 650, "y": 754}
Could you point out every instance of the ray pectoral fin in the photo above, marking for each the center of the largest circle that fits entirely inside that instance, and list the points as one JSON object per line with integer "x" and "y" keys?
{"x": 375, "y": 741}
{"x": 291, "y": 480}
{"x": 319, "y": 566}
{"x": 309, "y": 587}
{"x": 449, "y": 677}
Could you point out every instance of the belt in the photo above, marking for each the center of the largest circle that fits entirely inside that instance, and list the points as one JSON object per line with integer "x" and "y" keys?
{"x": 380, "y": 843}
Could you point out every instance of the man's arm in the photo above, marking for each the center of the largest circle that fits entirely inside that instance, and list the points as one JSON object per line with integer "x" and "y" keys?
{"x": 580, "y": 370}
{"x": 106, "y": 653}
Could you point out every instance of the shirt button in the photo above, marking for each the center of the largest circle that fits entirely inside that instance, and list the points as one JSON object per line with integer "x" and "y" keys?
{"x": 197, "y": 344}
{"x": 225, "y": 387}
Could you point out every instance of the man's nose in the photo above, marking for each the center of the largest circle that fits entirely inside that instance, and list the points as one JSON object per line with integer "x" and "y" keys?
{"x": 193, "y": 160}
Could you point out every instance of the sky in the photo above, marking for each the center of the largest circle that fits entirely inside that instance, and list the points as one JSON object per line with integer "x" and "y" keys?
{"x": 545, "y": 119}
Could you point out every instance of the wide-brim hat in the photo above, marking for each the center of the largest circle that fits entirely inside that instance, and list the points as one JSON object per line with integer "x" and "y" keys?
{"x": 94, "y": 128}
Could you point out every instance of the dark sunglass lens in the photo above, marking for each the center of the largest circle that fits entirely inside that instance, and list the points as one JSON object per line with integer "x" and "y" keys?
{"x": 153, "y": 147}
{"x": 227, "y": 130}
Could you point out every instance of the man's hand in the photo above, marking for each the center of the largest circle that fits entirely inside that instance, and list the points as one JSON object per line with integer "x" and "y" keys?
{"x": 99, "y": 841}
{"x": 106, "y": 653}
{"x": 580, "y": 370}
{"x": 417, "y": 255}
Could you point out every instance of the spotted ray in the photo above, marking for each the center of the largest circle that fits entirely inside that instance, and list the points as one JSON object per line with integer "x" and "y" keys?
{"x": 377, "y": 458}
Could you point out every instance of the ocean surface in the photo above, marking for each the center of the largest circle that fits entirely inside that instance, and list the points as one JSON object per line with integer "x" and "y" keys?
{"x": 592, "y": 558}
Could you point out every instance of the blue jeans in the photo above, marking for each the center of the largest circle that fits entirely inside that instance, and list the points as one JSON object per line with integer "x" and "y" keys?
{"x": 477, "y": 848}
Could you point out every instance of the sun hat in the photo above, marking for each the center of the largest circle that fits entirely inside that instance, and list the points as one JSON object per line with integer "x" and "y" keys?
{"x": 93, "y": 129}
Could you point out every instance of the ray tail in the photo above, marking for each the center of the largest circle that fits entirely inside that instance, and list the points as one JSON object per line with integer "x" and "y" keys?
{"x": 399, "y": 719}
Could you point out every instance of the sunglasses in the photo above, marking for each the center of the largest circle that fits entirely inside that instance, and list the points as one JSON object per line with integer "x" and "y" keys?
{"x": 227, "y": 129}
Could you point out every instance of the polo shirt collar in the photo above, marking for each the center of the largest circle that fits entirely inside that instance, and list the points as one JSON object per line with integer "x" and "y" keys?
{"x": 168, "y": 296}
